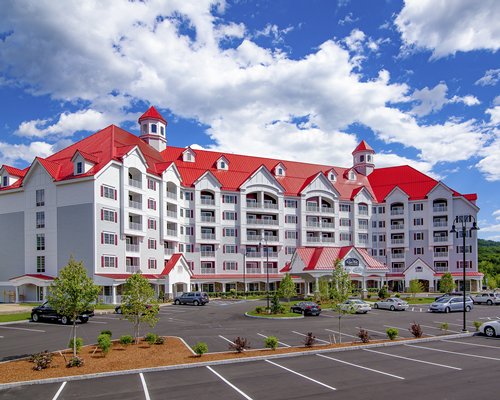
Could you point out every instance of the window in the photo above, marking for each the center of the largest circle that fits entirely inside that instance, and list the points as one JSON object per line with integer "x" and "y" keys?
{"x": 230, "y": 265}
{"x": 362, "y": 223}
{"x": 40, "y": 219}
{"x": 362, "y": 158}
{"x": 381, "y": 224}
{"x": 460, "y": 264}
{"x": 381, "y": 252}
{"x": 440, "y": 265}
{"x": 189, "y": 196}
{"x": 345, "y": 222}
{"x": 108, "y": 192}
{"x": 152, "y": 204}
{"x": 345, "y": 207}
{"x": 151, "y": 243}
{"x": 418, "y": 269}
{"x": 374, "y": 224}
{"x": 109, "y": 238}
{"x": 229, "y": 198}
{"x": 362, "y": 209}
{"x": 40, "y": 241}
{"x": 109, "y": 215}
{"x": 40, "y": 197}
{"x": 290, "y": 249}
{"x": 291, "y": 235}
{"x": 189, "y": 248}
{"x": 418, "y": 221}
{"x": 280, "y": 171}
{"x": 381, "y": 210}
{"x": 374, "y": 210}
{"x": 230, "y": 232}
{"x": 381, "y": 238}
{"x": 222, "y": 165}
{"x": 152, "y": 224}
{"x": 229, "y": 215}
{"x": 374, "y": 238}
{"x": 162, "y": 130}
{"x": 151, "y": 184}
{"x": 363, "y": 238}
{"x": 109, "y": 262}
{"x": 40, "y": 263}
{"x": 230, "y": 249}
{"x": 290, "y": 203}
{"x": 189, "y": 230}
{"x": 418, "y": 207}
{"x": 154, "y": 128}
{"x": 291, "y": 219}
{"x": 418, "y": 236}
{"x": 5, "y": 181}
{"x": 460, "y": 249}
{"x": 79, "y": 167}
{"x": 151, "y": 263}
{"x": 418, "y": 251}
{"x": 345, "y": 237}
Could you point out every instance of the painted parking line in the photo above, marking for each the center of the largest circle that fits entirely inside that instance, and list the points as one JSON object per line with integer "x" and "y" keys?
{"x": 226, "y": 339}
{"x": 97, "y": 322}
{"x": 59, "y": 391}
{"x": 360, "y": 366}
{"x": 22, "y": 329}
{"x": 145, "y": 387}
{"x": 283, "y": 344}
{"x": 372, "y": 330}
{"x": 343, "y": 334}
{"x": 301, "y": 375}
{"x": 450, "y": 323}
{"x": 453, "y": 352}
{"x": 319, "y": 340}
{"x": 117, "y": 318}
{"x": 405, "y": 329}
{"x": 472, "y": 344}
{"x": 439, "y": 329}
{"x": 229, "y": 383}
{"x": 413, "y": 359}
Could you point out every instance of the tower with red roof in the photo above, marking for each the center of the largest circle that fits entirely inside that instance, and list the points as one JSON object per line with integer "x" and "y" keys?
{"x": 153, "y": 129}
{"x": 362, "y": 157}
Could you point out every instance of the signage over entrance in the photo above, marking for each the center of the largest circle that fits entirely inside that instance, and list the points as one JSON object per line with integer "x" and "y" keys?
{"x": 351, "y": 262}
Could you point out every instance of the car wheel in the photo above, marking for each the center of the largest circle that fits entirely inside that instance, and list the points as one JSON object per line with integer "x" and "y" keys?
{"x": 84, "y": 320}
{"x": 119, "y": 310}
{"x": 65, "y": 320}
{"x": 447, "y": 310}
{"x": 467, "y": 308}
{"x": 196, "y": 303}
{"x": 489, "y": 331}
{"x": 35, "y": 317}
{"x": 375, "y": 305}
{"x": 177, "y": 302}
{"x": 489, "y": 302}
{"x": 393, "y": 308}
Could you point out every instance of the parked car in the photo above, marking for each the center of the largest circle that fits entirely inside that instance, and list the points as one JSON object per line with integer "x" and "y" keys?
{"x": 306, "y": 308}
{"x": 487, "y": 298}
{"x": 355, "y": 305}
{"x": 118, "y": 308}
{"x": 392, "y": 303}
{"x": 448, "y": 295}
{"x": 45, "y": 311}
{"x": 453, "y": 303}
{"x": 490, "y": 328}
{"x": 195, "y": 298}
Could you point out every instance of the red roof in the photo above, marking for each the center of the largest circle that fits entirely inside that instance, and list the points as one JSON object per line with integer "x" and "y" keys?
{"x": 459, "y": 274}
{"x": 93, "y": 158}
{"x": 363, "y": 146}
{"x": 36, "y": 276}
{"x": 126, "y": 276}
{"x": 286, "y": 268}
{"x": 152, "y": 113}
{"x": 15, "y": 171}
{"x": 236, "y": 276}
{"x": 170, "y": 264}
{"x": 323, "y": 258}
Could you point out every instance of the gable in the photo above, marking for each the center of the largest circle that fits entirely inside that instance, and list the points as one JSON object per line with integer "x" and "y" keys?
{"x": 262, "y": 177}
{"x": 321, "y": 184}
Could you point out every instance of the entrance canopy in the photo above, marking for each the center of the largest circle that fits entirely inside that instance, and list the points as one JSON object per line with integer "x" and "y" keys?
{"x": 32, "y": 279}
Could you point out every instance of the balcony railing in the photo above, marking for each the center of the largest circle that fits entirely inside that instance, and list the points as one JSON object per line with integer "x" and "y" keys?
{"x": 169, "y": 251}
{"x": 328, "y": 240}
{"x": 258, "y": 238}
{"x": 312, "y": 239}
{"x": 135, "y": 226}
{"x": 328, "y": 225}
{"x": 208, "y": 271}
{"x": 135, "y": 204}
{"x": 261, "y": 221}
{"x": 272, "y": 206}
{"x": 397, "y": 270}
{"x": 171, "y": 232}
{"x": 439, "y": 224}
{"x": 210, "y": 202}
{"x": 253, "y": 270}
{"x": 397, "y": 211}
{"x": 210, "y": 236}
{"x": 172, "y": 195}
{"x": 253, "y": 254}
{"x": 397, "y": 226}
{"x": 363, "y": 212}
{"x": 440, "y": 238}
{"x": 363, "y": 226}
{"x": 312, "y": 208}
{"x": 207, "y": 218}
{"x": 329, "y": 210}
{"x": 171, "y": 214}
{"x": 397, "y": 241}
{"x": 441, "y": 269}
{"x": 440, "y": 208}
{"x": 270, "y": 254}
{"x": 208, "y": 253}
{"x": 313, "y": 224}
{"x": 135, "y": 183}
{"x": 441, "y": 254}
{"x": 398, "y": 255}
{"x": 132, "y": 247}
{"x": 132, "y": 269}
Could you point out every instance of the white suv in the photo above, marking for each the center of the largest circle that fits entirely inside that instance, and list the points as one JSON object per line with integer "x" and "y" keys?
{"x": 487, "y": 298}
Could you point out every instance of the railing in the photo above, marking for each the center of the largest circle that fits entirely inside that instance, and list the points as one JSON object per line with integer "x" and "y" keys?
{"x": 312, "y": 208}
{"x": 441, "y": 269}
{"x": 171, "y": 232}
{"x": 210, "y": 202}
{"x": 397, "y": 255}
{"x": 397, "y": 226}
{"x": 208, "y": 253}
{"x": 135, "y": 226}
{"x": 270, "y": 254}
{"x": 109, "y": 299}
{"x": 253, "y": 271}
{"x": 313, "y": 224}
{"x": 253, "y": 254}
{"x": 258, "y": 238}
{"x": 397, "y": 211}
{"x": 313, "y": 239}
{"x": 132, "y": 247}
{"x": 440, "y": 208}
{"x": 397, "y": 241}
{"x": 169, "y": 251}
{"x": 397, "y": 270}
{"x": 207, "y": 218}
{"x": 272, "y": 206}
{"x": 328, "y": 210}
{"x": 363, "y": 212}
{"x": 135, "y": 204}
{"x": 437, "y": 224}
{"x": 441, "y": 254}
{"x": 271, "y": 238}
{"x": 256, "y": 221}
{"x": 172, "y": 195}
{"x": 328, "y": 240}
{"x": 135, "y": 183}
{"x": 210, "y": 236}
{"x": 171, "y": 214}
{"x": 363, "y": 226}
{"x": 208, "y": 270}
{"x": 328, "y": 225}
{"x": 440, "y": 238}
{"x": 132, "y": 269}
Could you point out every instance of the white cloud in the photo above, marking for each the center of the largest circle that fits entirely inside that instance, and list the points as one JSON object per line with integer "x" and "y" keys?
{"x": 448, "y": 26}
{"x": 348, "y": 19}
{"x": 12, "y": 154}
{"x": 468, "y": 100}
{"x": 274, "y": 32}
{"x": 432, "y": 100}
{"x": 490, "y": 78}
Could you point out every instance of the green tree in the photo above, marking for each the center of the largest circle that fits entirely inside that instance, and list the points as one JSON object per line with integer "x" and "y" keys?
{"x": 324, "y": 289}
{"x": 446, "y": 284}
{"x": 340, "y": 291}
{"x": 287, "y": 288}
{"x": 139, "y": 303}
{"x": 72, "y": 293}
{"x": 415, "y": 287}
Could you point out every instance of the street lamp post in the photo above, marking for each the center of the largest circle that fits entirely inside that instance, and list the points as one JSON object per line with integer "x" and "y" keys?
{"x": 463, "y": 219}
{"x": 264, "y": 239}
{"x": 244, "y": 273}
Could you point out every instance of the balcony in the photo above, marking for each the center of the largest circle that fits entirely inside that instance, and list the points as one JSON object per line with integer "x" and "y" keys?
{"x": 258, "y": 238}
{"x": 330, "y": 210}
{"x": 171, "y": 232}
{"x": 398, "y": 255}
{"x": 171, "y": 214}
{"x": 266, "y": 205}
{"x": 441, "y": 269}
{"x": 208, "y": 253}
{"x": 312, "y": 239}
{"x": 313, "y": 224}
{"x": 207, "y": 218}
{"x": 363, "y": 226}
{"x": 208, "y": 202}
{"x": 328, "y": 225}
{"x": 133, "y": 268}
{"x": 172, "y": 195}
{"x": 397, "y": 211}
{"x": 397, "y": 226}
{"x": 169, "y": 251}
{"x": 440, "y": 224}
{"x": 257, "y": 221}
{"x": 207, "y": 271}
{"x": 328, "y": 239}
{"x": 134, "y": 248}
{"x": 135, "y": 183}
{"x": 397, "y": 241}
{"x": 135, "y": 226}
{"x": 312, "y": 208}
{"x": 397, "y": 270}
{"x": 440, "y": 239}
{"x": 253, "y": 271}
{"x": 441, "y": 254}
{"x": 135, "y": 204}
{"x": 440, "y": 208}
{"x": 253, "y": 254}
{"x": 270, "y": 254}
{"x": 363, "y": 212}
{"x": 208, "y": 236}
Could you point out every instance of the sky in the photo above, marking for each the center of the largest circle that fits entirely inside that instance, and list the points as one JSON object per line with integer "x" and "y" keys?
{"x": 301, "y": 80}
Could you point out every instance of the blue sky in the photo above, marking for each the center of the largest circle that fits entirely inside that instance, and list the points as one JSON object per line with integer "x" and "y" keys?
{"x": 293, "y": 79}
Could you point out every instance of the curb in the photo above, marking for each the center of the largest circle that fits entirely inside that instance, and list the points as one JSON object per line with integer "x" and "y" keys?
{"x": 274, "y": 318}
{"x": 231, "y": 361}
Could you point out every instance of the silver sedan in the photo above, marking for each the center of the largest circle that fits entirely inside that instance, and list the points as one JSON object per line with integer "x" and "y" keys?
{"x": 392, "y": 303}
{"x": 355, "y": 306}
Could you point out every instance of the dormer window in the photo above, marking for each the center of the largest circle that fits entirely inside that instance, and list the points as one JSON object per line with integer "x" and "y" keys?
{"x": 222, "y": 165}
{"x": 361, "y": 158}
{"x": 5, "y": 181}
{"x": 145, "y": 128}
{"x": 162, "y": 130}
{"x": 188, "y": 155}
{"x": 79, "y": 168}
{"x": 369, "y": 158}
{"x": 352, "y": 175}
{"x": 154, "y": 128}
{"x": 279, "y": 170}
{"x": 332, "y": 176}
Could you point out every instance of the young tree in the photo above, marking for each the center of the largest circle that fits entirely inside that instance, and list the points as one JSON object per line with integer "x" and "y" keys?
{"x": 72, "y": 293}
{"x": 324, "y": 289}
{"x": 415, "y": 287}
{"x": 446, "y": 284}
{"x": 139, "y": 303}
{"x": 340, "y": 291}
{"x": 287, "y": 288}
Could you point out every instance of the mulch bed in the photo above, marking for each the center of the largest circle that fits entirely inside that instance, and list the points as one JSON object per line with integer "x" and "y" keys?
{"x": 119, "y": 358}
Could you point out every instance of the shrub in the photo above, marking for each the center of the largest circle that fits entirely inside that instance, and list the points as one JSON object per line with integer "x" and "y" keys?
{"x": 104, "y": 343}
{"x": 41, "y": 360}
{"x": 382, "y": 293}
{"x": 160, "y": 340}
{"x": 151, "y": 338}
{"x": 392, "y": 333}
{"x": 368, "y": 296}
{"x": 477, "y": 324}
{"x": 79, "y": 344}
{"x": 363, "y": 335}
{"x": 276, "y": 307}
{"x": 200, "y": 348}
{"x": 271, "y": 342}
{"x": 309, "y": 340}
{"x": 126, "y": 340}
{"x": 239, "y": 344}
{"x": 107, "y": 332}
{"x": 444, "y": 326}
{"x": 75, "y": 362}
{"x": 397, "y": 295}
{"x": 259, "y": 309}
{"x": 416, "y": 330}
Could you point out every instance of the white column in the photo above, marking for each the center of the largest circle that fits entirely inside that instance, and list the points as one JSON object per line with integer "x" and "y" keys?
{"x": 17, "y": 294}
{"x": 44, "y": 292}
{"x": 113, "y": 293}
{"x": 316, "y": 284}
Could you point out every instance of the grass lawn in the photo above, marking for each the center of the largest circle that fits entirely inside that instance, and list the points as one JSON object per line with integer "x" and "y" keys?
{"x": 105, "y": 306}
{"x": 15, "y": 317}
{"x": 284, "y": 315}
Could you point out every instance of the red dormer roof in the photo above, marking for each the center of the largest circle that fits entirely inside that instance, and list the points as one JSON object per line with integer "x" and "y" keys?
{"x": 53, "y": 168}
{"x": 170, "y": 264}
{"x": 363, "y": 146}
{"x": 152, "y": 113}
{"x": 12, "y": 171}
{"x": 93, "y": 158}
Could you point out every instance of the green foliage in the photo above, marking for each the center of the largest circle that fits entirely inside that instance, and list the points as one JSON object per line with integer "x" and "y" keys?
{"x": 160, "y": 340}
{"x": 363, "y": 335}
{"x": 151, "y": 338}
{"x": 271, "y": 342}
{"x": 415, "y": 287}
{"x": 200, "y": 348}
{"x": 446, "y": 284}
{"x": 382, "y": 293}
{"x": 287, "y": 288}
{"x": 276, "y": 307}
{"x": 137, "y": 296}
{"x": 126, "y": 340}
{"x": 392, "y": 333}
{"x": 416, "y": 330}
{"x": 75, "y": 361}
{"x": 397, "y": 295}
{"x": 104, "y": 343}
{"x": 444, "y": 327}
{"x": 107, "y": 332}
{"x": 489, "y": 261}
{"x": 477, "y": 324}
{"x": 73, "y": 292}
{"x": 78, "y": 345}
{"x": 324, "y": 289}
{"x": 41, "y": 360}
{"x": 259, "y": 309}
{"x": 340, "y": 291}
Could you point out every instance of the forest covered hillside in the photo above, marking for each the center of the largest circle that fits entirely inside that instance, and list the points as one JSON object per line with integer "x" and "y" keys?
{"x": 489, "y": 261}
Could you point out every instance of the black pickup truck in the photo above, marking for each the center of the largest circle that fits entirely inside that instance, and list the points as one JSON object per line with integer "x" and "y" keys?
{"x": 45, "y": 311}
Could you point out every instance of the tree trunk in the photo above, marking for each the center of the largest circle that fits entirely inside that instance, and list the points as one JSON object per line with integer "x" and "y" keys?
{"x": 340, "y": 332}
{"x": 74, "y": 337}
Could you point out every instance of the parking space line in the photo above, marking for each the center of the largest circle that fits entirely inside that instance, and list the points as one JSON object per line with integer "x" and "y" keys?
{"x": 319, "y": 340}
{"x": 453, "y": 352}
{"x": 413, "y": 359}
{"x": 372, "y": 330}
{"x": 112, "y": 318}
{"x": 301, "y": 375}
{"x": 226, "y": 339}
{"x": 343, "y": 334}
{"x": 472, "y": 344}
{"x": 283, "y": 344}
{"x": 406, "y": 329}
{"x": 439, "y": 329}
{"x": 230, "y": 384}
{"x": 360, "y": 366}
{"x": 97, "y": 322}
{"x": 59, "y": 391}
{"x": 145, "y": 387}
{"x": 22, "y": 329}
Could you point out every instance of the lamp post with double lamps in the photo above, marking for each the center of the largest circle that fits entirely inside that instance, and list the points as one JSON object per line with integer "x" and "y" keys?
{"x": 264, "y": 240}
{"x": 462, "y": 220}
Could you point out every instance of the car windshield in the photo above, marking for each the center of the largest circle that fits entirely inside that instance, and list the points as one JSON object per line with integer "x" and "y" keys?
{"x": 355, "y": 301}
{"x": 443, "y": 300}
{"x": 309, "y": 303}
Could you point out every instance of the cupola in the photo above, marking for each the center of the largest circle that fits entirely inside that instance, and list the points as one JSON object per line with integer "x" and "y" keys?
{"x": 153, "y": 129}
{"x": 363, "y": 161}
